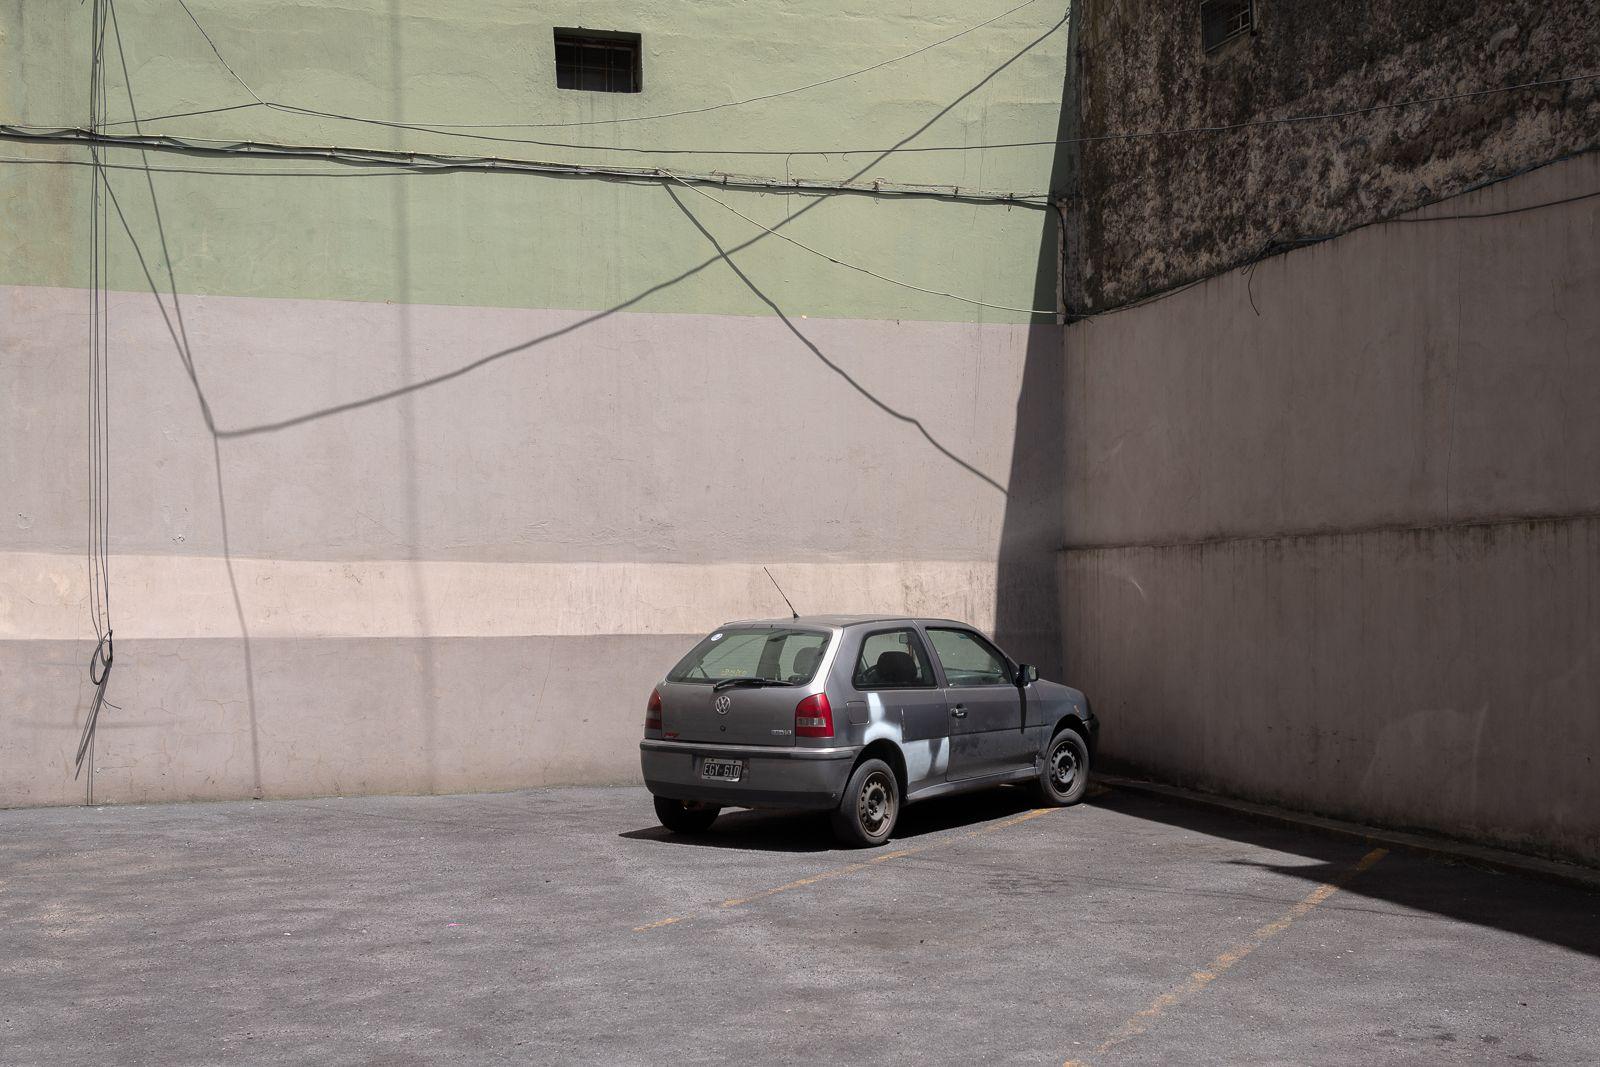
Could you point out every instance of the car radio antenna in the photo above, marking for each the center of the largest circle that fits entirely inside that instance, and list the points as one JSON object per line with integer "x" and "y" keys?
{"x": 779, "y": 588}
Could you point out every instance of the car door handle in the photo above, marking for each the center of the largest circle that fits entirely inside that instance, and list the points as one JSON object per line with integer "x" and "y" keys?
{"x": 959, "y": 711}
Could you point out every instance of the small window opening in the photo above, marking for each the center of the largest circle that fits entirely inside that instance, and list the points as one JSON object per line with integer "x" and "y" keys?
{"x": 598, "y": 61}
{"x": 1223, "y": 20}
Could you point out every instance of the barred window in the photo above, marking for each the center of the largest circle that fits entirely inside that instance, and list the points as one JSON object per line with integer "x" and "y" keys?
{"x": 598, "y": 61}
{"x": 1223, "y": 20}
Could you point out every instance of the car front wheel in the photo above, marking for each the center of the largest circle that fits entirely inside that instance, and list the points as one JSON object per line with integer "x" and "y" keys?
{"x": 870, "y": 807}
{"x": 1064, "y": 776}
{"x": 683, "y": 818}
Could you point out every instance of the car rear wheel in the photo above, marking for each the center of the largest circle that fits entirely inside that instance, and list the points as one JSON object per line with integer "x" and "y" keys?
{"x": 870, "y": 807}
{"x": 685, "y": 818}
{"x": 1064, "y": 776}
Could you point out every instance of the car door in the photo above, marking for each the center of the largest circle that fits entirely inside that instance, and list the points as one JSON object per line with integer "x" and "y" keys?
{"x": 893, "y": 677}
{"x": 985, "y": 707}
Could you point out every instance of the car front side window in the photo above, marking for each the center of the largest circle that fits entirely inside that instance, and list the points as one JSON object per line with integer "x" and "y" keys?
{"x": 893, "y": 659}
{"x": 968, "y": 659}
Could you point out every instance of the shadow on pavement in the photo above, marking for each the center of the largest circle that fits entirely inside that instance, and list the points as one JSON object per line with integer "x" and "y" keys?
{"x": 1530, "y": 907}
{"x": 771, "y": 831}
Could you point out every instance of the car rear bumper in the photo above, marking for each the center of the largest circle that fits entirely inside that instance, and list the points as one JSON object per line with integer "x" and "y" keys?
{"x": 791, "y": 778}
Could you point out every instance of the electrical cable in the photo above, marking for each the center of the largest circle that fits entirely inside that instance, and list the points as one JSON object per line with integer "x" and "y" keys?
{"x": 177, "y": 115}
{"x": 1181, "y": 131}
{"x": 922, "y": 149}
{"x": 1503, "y": 211}
{"x": 435, "y": 161}
{"x": 856, "y": 267}
{"x": 453, "y": 129}
{"x": 278, "y": 105}
{"x": 218, "y": 53}
{"x": 1279, "y": 246}
{"x": 99, "y": 393}
{"x": 409, "y": 162}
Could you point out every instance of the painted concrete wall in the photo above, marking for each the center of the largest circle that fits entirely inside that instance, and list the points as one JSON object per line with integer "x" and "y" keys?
{"x": 1157, "y": 212}
{"x": 489, "y": 450}
{"x": 1333, "y": 527}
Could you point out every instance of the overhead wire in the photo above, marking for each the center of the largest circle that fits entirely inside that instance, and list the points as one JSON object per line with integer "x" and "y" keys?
{"x": 856, "y": 266}
{"x": 411, "y": 162}
{"x": 242, "y": 83}
{"x": 439, "y": 161}
{"x": 136, "y": 120}
{"x": 1280, "y": 245}
{"x": 1124, "y": 135}
{"x": 454, "y": 129}
{"x": 631, "y": 118}
{"x": 181, "y": 339}
{"x": 443, "y": 131}
{"x": 98, "y": 423}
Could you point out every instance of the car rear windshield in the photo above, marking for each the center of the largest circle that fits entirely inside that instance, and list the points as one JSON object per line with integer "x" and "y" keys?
{"x": 780, "y": 655}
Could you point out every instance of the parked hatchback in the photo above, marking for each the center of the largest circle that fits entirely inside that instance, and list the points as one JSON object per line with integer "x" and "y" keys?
{"x": 858, "y": 716}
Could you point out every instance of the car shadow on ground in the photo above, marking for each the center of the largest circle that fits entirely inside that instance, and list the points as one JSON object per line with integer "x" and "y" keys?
{"x": 773, "y": 831}
{"x": 1519, "y": 904}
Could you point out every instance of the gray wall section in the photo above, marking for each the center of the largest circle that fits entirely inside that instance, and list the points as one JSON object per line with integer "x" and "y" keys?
{"x": 1410, "y": 372}
{"x": 326, "y": 716}
{"x": 1444, "y": 679}
{"x": 1296, "y": 563}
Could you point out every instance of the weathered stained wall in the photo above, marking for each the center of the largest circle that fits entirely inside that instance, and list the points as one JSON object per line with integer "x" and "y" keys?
{"x": 1333, "y": 528}
{"x": 490, "y": 450}
{"x": 1151, "y": 213}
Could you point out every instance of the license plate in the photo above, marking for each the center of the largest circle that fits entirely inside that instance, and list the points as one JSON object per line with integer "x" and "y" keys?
{"x": 723, "y": 770}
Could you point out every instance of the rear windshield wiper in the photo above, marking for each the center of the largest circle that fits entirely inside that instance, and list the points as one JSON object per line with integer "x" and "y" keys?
{"x": 753, "y": 683}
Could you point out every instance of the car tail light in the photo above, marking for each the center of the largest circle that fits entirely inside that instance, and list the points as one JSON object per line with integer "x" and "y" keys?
{"x": 652, "y": 711}
{"x": 813, "y": 717}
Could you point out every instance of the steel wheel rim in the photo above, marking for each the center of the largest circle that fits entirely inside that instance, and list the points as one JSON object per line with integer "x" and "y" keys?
{"x": 1064, "y": 766}
{"x": 875, "y": 804}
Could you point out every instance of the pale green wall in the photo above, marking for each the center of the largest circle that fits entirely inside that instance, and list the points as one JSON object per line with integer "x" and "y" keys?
{"x": 600, "y": 495}
{"x": 531, "y": 241}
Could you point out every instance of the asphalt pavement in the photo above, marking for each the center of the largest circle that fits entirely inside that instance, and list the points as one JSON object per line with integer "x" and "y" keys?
{"x": 566, "y": 926}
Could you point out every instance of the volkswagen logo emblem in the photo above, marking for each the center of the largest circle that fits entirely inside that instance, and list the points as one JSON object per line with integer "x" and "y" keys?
{"x": 723, "y": 704}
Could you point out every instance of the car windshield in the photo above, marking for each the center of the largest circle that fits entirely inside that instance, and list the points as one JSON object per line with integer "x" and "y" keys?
{"x": 766, "y": 655}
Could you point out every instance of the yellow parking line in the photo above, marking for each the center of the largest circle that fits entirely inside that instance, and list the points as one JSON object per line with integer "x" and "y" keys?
{"x": 1197, "y": 981}
{"x": 825, "y": 875}
{"x": 852, "y": 868}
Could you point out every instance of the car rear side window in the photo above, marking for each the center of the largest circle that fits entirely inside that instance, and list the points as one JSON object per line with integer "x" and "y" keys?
{"x": 968, "y": 659}
{"x": 774, "y": 654}
{"x": 893, "y": 659}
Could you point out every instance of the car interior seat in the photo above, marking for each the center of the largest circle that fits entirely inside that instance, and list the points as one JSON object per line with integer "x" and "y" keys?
{"x": 897, "y": 668}
{"x": 805, "y": 664}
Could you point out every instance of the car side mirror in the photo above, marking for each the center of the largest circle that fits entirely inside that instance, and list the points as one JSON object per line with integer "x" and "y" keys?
{"x": 1027, "y": 673}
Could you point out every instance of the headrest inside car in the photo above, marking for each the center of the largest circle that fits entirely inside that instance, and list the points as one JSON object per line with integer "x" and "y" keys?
{"x": 805, "y": 662}
{"x": 897, "y": 668}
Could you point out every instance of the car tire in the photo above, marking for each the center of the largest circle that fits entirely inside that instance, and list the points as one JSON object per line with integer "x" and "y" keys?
{"x": 682, "y": 818}
{"x": 871, "y": 806}
{"x": 1064, "y": 773}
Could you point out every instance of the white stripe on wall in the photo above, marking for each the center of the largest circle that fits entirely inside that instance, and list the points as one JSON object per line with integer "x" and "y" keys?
{"x": 44, "y": 596}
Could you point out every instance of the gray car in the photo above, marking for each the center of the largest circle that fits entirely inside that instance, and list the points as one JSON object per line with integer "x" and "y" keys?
{"x": 858, "y": 716}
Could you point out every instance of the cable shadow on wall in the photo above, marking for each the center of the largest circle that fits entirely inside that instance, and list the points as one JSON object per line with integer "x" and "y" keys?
{"x": 180, "y": 339}
{"x": 177, "y": 329}
{"x": 892, "y": 412}
{"x": 598, "y": 316}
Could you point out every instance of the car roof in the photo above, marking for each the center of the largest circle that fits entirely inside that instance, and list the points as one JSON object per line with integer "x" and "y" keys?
{"x": 842, "y": 621}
